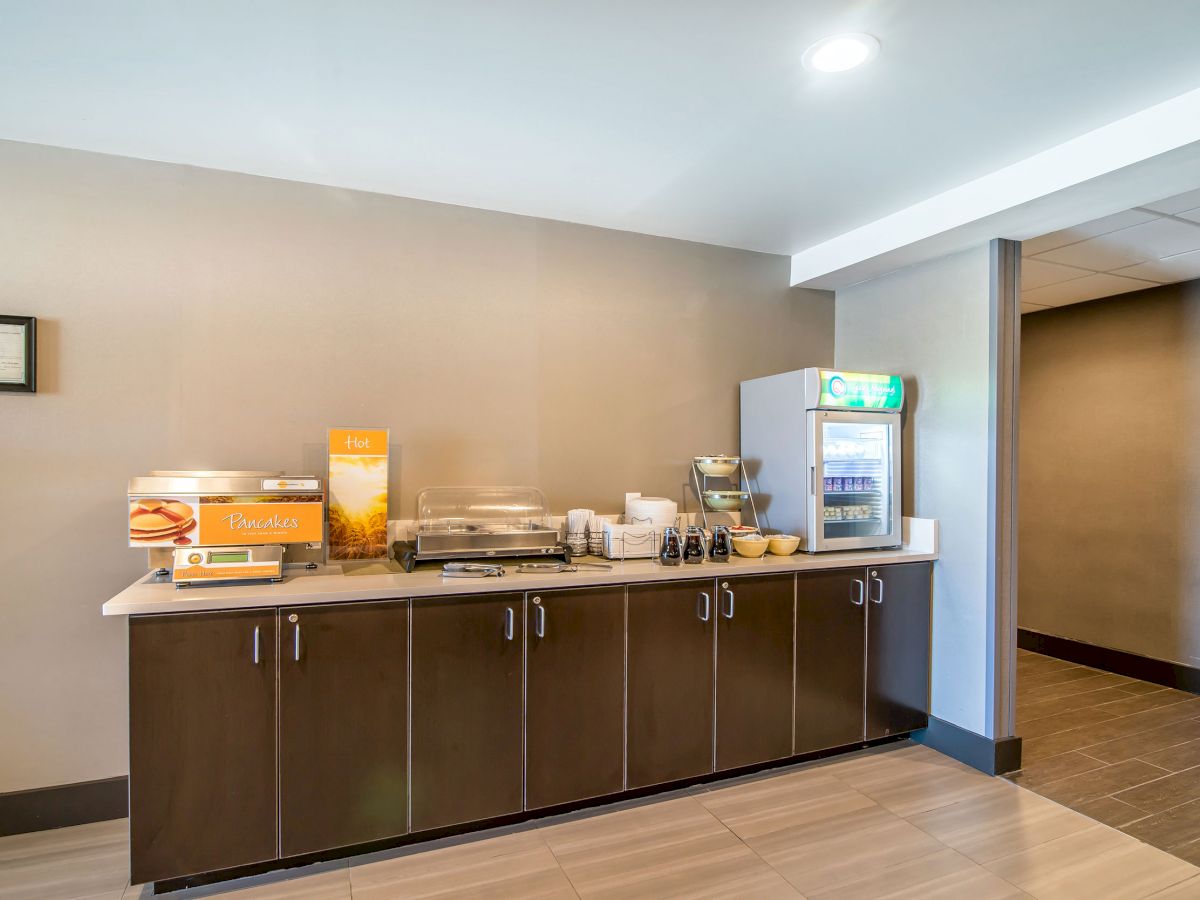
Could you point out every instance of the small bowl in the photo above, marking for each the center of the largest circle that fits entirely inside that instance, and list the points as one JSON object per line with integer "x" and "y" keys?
{"x": 717, "y": 466}
{"x": 753, "y": 547}
{"x": 725, "y": 501}
{"x": 783, "y": 544}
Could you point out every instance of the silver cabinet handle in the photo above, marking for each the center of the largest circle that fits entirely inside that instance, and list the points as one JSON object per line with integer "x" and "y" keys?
{"x": 862, "y": 589}
{"x": 879, "y": 599}
{"x": 729, "y": 594}
{"x": 706, "y": 606}
{"x": 257, "y": 643}
{"x": 296, "y": 641}
{"x": 539, "y": 621}
{"x": 509, "y": 617}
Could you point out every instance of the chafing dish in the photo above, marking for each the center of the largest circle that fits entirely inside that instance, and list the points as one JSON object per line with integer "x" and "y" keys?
{"x": 480, "y": 522}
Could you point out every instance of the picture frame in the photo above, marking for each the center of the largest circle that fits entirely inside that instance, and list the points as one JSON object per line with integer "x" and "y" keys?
{"x": 18, "y": 354}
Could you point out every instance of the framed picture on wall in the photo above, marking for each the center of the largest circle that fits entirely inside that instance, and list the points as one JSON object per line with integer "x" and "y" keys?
{"x": 18, "y": 353}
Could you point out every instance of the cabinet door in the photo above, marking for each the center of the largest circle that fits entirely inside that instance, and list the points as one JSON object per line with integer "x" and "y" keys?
{"x": 670, "y": 681}
{"x": 575, "y": 695}
{"x": 897, "y": 649}
{"x": 755, "y": 629}
{"x": 201, "y": 742}
{"x": 466, "y": 709}
{"x": 830, "y": 635}
{"x": 343, "y": 725}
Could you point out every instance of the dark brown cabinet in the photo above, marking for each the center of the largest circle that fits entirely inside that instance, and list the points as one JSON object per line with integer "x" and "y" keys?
{"x": 262, "y": 734}
{"x": 754, "y": 669}
{"x": 898, "y": 607}
{"x": 343, "y": 724}
{"x": 670, "y": 681}
{"x": 466, "y": 691}
{"x": 575, "y": 695}
{"x": 201, "y": 742}
{"x": 830, "y": 635}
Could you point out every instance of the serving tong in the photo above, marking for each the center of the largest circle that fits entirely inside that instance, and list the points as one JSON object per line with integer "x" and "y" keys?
{"x": 530, "y": 568}
{"x": 472, "y": 570}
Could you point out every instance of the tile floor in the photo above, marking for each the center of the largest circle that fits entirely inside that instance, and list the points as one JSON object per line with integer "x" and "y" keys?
{"x": 896, "y": 822}
{"x": 1122, "y": 751}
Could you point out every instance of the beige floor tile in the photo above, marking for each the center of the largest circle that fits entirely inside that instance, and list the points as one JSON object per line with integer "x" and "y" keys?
{"x": 832, "y": 852}
{"x": 512, "y": 865}
{"x": 325, "y": 881}
{"x": 944, "y": 874}
{"x": 771, "y": 804}
{"x": 1097, "y": 863}
{"x": 670, "y": 849}
{"x": 1184, "y": 890}
{"x": 80, "y": 861}
{"x": 909, "y": 783}
{"x": 1000, "y": 825}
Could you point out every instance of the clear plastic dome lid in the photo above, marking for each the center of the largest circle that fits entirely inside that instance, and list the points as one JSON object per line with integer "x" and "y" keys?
{"x": 438, "y": 507}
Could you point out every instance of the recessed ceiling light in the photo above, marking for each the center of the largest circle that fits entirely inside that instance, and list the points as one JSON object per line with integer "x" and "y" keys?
{"x": 840, "y": 53}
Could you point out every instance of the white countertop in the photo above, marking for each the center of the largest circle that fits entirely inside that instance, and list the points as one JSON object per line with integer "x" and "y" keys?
{"x": 150, "y": 595}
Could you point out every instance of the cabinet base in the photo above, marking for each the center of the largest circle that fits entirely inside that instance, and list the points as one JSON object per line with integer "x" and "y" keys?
{"x": 503, "y": 822}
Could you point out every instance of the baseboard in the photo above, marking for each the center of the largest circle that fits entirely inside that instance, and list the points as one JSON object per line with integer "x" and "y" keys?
{"x": 1120, "y": 662}
{"x": 992, "y": 757}
{"x": 64, "y": 804}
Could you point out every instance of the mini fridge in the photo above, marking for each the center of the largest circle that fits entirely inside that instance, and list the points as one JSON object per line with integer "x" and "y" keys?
{"x": 822, "y": 452}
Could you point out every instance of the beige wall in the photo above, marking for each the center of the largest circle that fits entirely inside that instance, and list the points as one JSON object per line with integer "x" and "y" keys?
{"x": 191, "y": 318}
{"x": 1109, "y": 472}
{"x": 930, "y": 323}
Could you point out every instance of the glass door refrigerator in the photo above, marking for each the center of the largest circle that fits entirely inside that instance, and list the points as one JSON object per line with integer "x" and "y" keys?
{"x": 822, "y": 451}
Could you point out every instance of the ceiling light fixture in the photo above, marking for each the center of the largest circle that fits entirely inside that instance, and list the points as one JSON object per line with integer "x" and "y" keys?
{"x": 840, "y": 53}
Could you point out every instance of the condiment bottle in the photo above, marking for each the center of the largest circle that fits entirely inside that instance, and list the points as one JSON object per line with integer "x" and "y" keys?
{"x": 693, "y": 547}
{"x": 671, "y": 553}
{"x": 720, "y": 544}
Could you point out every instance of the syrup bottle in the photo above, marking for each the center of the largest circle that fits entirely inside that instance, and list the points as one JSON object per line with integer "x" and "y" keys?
{"x": 671, "y": 553}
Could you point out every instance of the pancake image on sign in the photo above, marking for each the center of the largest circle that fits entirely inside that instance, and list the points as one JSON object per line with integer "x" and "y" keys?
{"x": 154, "y": 520}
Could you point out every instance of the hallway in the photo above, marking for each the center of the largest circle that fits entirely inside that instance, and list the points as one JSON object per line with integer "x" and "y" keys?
{"x": 1122, "y": 751}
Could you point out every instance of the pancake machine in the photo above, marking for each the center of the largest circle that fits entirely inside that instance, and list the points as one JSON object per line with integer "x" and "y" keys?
{"x": 218, "y": 527}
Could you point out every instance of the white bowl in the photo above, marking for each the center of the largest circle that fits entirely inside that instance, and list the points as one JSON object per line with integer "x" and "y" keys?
{"x": 725, "y": 501}
{"x": 717, "y": 466}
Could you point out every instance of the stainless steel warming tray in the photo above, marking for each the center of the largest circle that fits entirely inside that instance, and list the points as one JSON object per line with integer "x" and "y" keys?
{"x": 480, "y": 522}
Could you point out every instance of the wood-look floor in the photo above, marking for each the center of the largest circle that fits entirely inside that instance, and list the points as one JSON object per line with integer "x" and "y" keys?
{"x": 900, "y": 822}
{"x": 1122, "y": 751}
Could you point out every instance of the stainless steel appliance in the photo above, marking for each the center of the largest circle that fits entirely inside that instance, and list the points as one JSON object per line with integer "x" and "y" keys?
{"x": 204, "y": 527}
{"x": 822, "y": 448}
{"x": 480, "y": 522}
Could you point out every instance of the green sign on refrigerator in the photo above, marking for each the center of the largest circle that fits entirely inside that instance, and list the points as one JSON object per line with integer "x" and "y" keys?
{"x": 858, "y": 390}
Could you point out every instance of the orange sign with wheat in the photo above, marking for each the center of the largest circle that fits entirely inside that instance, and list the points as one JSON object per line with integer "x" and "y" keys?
{"x": 358, "y": 493}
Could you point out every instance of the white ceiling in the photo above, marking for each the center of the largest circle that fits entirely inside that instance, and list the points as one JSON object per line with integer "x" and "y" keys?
{"x": 687, "y": 119}
{"x": 1158, "y": 243}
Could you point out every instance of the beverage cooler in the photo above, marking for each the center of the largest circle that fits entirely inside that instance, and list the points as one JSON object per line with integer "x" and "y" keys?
{"x": 822, "y": 450}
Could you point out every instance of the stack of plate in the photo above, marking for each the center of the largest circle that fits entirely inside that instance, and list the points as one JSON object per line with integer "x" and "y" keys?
{"x": 656, "y": 511}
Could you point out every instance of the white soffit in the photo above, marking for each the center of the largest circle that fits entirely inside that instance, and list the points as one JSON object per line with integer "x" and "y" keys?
{"x": 1130, "y": 251}
{"x": 1150, "y": 154}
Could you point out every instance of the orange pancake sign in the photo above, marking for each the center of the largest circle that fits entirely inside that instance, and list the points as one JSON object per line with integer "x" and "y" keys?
{"x": 180, "y": 521}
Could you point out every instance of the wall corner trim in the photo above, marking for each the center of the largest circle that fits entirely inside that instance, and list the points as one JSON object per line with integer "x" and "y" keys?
{"x": 988, "y": 755}
{"x": 41, "y": 809}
